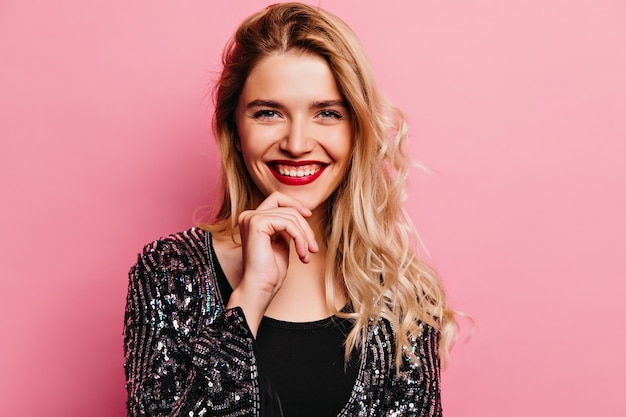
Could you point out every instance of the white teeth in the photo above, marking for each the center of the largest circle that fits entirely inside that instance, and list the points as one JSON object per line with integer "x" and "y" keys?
{"x": 297, "y": 172}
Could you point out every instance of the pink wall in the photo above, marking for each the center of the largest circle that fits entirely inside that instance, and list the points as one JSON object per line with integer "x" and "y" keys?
{"x": 518, "y": 107}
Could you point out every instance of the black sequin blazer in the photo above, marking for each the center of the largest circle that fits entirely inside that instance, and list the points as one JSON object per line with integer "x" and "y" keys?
{"x": 187, "y": 355}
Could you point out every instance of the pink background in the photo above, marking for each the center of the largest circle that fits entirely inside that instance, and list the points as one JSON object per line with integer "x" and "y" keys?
{"x": 518, "y": 107}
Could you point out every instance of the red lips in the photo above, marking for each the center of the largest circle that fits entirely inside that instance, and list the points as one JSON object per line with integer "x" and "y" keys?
{"x": 297, "y": 172}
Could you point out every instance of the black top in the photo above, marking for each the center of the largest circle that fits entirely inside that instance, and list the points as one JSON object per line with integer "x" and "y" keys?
{"x": 303, "y": 363}
{"x": 185, "y": 354}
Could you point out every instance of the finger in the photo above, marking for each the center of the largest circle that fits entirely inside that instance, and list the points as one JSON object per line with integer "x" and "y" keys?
{"x": 277, "y": 199}
{"x": 278, "y": 221}
{"x": 294, "y": 215}
{"x": 270, "y": 207}
{"x": 290, "y": 230}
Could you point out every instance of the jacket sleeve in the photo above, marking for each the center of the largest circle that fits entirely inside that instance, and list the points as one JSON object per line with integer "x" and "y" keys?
{"x": 182, "y": 356}
{"x": 416, "y": 388}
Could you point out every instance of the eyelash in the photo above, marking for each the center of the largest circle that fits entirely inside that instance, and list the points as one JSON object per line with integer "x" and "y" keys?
{"x": 262, "y": 114}
{"x": 331, "y": 113}
{"x": 270, "y": 114}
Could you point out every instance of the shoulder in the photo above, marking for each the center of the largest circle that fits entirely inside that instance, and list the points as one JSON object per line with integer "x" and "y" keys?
{"x": 169, "y": 251}
{"x": 178, "y": 242}
{"x": 174, "y": 278}
{"x": 382, "y": 345}
{"x": 176, "y": 259}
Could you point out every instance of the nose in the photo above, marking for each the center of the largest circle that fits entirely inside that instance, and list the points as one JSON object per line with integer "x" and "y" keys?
{"x": 297, "y": 140}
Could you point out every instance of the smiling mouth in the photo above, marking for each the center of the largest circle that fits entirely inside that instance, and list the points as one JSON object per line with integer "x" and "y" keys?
{"x": 297, "y": 173}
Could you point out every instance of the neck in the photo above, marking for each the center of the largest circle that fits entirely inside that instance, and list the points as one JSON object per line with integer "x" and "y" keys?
{"x": 302, "y": 296}
{"x": 318, "y": 222}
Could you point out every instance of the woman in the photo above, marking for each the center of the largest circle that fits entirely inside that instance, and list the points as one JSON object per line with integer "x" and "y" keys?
{"x": 305, "y": 296}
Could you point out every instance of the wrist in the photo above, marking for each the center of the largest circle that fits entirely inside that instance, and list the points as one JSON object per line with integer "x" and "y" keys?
{"x": 253, "y": 307}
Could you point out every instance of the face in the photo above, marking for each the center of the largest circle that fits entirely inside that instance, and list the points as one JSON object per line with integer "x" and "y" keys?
{"x": 294, "y": 128}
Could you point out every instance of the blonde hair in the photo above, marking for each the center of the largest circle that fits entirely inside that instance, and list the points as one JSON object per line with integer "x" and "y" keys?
{"x": 370, "y": 239}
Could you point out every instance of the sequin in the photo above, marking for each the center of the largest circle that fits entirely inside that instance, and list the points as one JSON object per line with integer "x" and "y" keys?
{"x": 187, "y": 355}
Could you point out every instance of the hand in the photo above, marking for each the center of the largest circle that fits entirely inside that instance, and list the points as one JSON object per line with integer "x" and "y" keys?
{"x": 266, "y": 235}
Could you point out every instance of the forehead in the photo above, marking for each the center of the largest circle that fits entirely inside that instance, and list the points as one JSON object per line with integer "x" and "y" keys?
{"x": 291, "y": 76}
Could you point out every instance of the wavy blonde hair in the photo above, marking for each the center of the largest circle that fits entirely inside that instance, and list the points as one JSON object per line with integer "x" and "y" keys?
{"x": 370, "y": 239}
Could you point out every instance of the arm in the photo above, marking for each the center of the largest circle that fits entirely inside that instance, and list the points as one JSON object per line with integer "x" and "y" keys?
{"x": 415, "y": 390}
{"x": 181, "y": 354}
{"x": 266, "y": 234}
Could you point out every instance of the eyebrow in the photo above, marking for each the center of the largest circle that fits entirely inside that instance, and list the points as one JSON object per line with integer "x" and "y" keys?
{"x": 329, "y": 103}
{"x": 272, "y": 104}
{"x": 264, "y": 103}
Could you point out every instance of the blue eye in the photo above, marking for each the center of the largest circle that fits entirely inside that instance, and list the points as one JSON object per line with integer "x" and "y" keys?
{"x": 330, "y": 114}
{"x": 265, "y": 114}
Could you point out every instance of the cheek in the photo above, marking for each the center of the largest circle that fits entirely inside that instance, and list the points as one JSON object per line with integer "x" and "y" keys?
{"x": 344, "y": 146}
{"x": 253, "y": 147}
{"x": 347, "y": 151}
{"x": 247, "y": 142}
{"x": 255, "y": 139}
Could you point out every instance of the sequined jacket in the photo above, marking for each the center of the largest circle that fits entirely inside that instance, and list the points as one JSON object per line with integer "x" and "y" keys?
{"x": 187, "y": 355}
